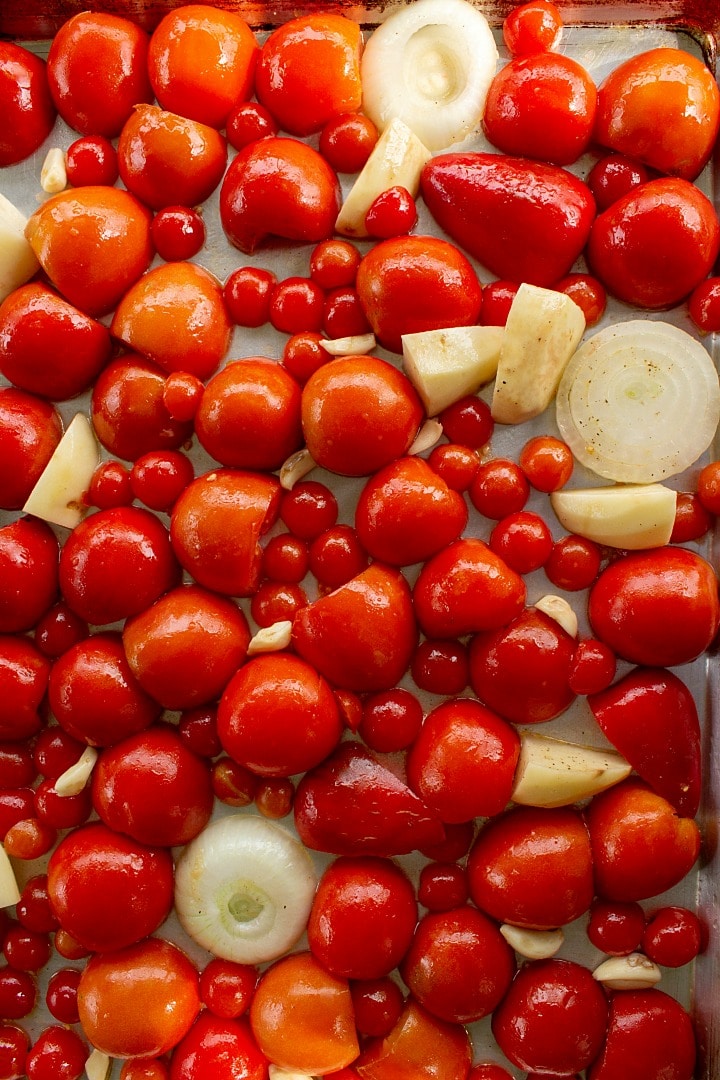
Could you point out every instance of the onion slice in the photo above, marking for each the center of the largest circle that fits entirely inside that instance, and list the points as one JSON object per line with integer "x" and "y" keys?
{"x": 244, "y": 888}
{"x": 430, "y": 64}
{"x": 639, "y": 401}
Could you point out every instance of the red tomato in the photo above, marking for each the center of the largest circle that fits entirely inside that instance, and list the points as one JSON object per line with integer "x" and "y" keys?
{"x": 107, "y": 890}
{"x": 309, "y": 71}
{"x": 28, "y": 573}
{"x": 614, "y": 176}
{"x": 658, "y": 607}
{"x": 420, "y": 1046}
{"x": 547, "y": 462}
{"x": 153, "y": 788}
{"x": 363, "y": 917}
{"x": 24, "y": 673}
{"x": 347, "y": 141}
{"x": 30, "y": 430}
{"x": 140, "y": 1000}
{"x": 648, "y": 1033}
{"x": 654, "y": 245}
{"x": 178, "y": 233}
{"x": 222, "y": 1048}
{"x": 392, "y": 213}
{"x": 91, "y": 159}
{"x": 459, "y": 966}
{"x": 674, "y": 936}
{"x": 411, "y": 283}
{"x": 640, "y": 845}
{"x": 532, "y": 867}
{"x": 662, "y": 108}
{"x": 535, "y": 26}
{"x": 202, "y": 62}
{"x": 614, "y": 927}
{"x": 25, "y": 101}
{"x": 97, "y": 70}
{"x": 462, "y": 763}
{"x": 553, "y": 1018}
{"x": 378, "y": 1004}
{"x": 278, "y": 716}
{"x": 541, "y": 106}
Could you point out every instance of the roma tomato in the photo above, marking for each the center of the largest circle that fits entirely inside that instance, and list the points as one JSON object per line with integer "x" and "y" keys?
{"x": 30, "y": 430}
{"x": 463, "y": 761}
{"x": 541, "y": 106}
{"x": 412, "y": 283}
{"x": 363, "y": 917}
{"x": 662, "y": 108}
{"x": 24, "y": 674}
{"x": 107, "y": 890}
{"x": 532, "y": 867}
{"x": 26, "y": 103}
{"x": 222, "y": 1048}
{"x": 419, "y": 1045}
{"x": 28, "y": 573}
{"x": 459, "y": 966}
{"x": 654, "y": 245}
{"x": 309, "y": 71}
{"x": 278, "y": 716}
{"x": 658, "y": 608}
{"x": 648, "y": 1034}
{"x": 97, "y": 70}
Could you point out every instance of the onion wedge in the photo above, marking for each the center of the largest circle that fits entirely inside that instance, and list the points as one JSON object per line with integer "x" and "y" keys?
{"x": 430, "y": 64}
{"x": 639, "y": 401}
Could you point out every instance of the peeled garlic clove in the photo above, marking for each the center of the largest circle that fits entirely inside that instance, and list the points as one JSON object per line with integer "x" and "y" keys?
{"x": 357, "y": 345}
{"x": 297, "y": 465}
{"x": 271, "y": 638}
{"x": 558, "y": 609}
{"x": 532, "y": 944}
{"x": 9, "y": 891}
{"x": 427, "y": 436}
{"x": 74, "y": 779}
{"x": 633, "y": 972}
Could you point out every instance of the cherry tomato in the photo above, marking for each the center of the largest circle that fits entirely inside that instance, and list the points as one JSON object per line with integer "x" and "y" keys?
{"x": 27, "y": 105}
{"x": 61, "y": 995}
{"x": 648, "y": 1031}
{"x": 468, "y": 422}
{"x": 613, "y": 176}
{"x": 592, "y": 668}
{"x": 708, "y": 486}
{"x": 28, "y": 573}
{"x": 248, "y": 122}
{"x": 296, "y": 305}
{"x": 30, "y": 430}
{"x": 247, "y": 293}
{"x": 441, "y": 667}
{"x": 377, "y": 1004}
{"x": 457, "y": 465}
{"x": 109, "y": 486}
{"x": 616, "y": 927}
{"x": 17, "y": 768}
{"x": 547, "y": 462}
{"x": 24, "y": 674}
{"x": 523, "y": 541}
{"x": 128, "y": 409}
{"x": 178, "y": 233}
{"x": 442, "y": 886}
{"x": 346, "y": 141}
{"x": 535, "y": 26}
{"x": 219, "y": 1047}
{"x": 392, "y": 213}
{"x": 277, "y": 601}
{"x": 57, "y": 1054}
{"x": 574, "y": 563}
{"x": 673, "y": 936}
{"x": 308, "y": 509}
{"x": 285, "y": 558}
{"x": 18, "y": 993}
{"x": 497, "y": 299}
{"x": 499, "y": 488}
{"x": 303, "y": 354}
{"x": 26, "y": 950}
{"x": 274, "y": 797}
{"x": 334, "y": 263}
{"x": 226, "y": 988}
{"x": 58, "y": 630}
{"x": 588, "y": 294}
{"x": 92, "y": 159}
{"x": 336, "y": 556}
{"x": 343, "y": 314}
{"x": 391, "y": 720}
{"x": 159, "y": 478}
{"x": 14, "y": 1046}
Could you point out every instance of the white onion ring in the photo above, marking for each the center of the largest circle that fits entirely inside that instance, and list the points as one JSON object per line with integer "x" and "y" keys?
{"x": 244, "y": 888}
{"x": 639, "y": 401}
{"x": 430, "y": 64}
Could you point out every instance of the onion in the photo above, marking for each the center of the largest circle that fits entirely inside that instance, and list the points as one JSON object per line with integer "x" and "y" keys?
{"x": 639, "y": 401}
{"x": 430, "y": 64}
{"x": 244, "y": 888}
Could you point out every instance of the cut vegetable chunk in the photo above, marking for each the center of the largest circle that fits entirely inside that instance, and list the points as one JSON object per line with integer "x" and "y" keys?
{"x": 629, "y": 516}
{"x": 551, "y": 772}
{"x": 18, "y": 261}
{"x": 58, "y": 494}
{"x": 446, "y": 365}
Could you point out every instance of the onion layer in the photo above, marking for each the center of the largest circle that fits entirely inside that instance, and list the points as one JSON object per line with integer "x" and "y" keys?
{"x": 430, "y": 64}
{"x": 244, "y": 888}
{"x": 639, "y": 401}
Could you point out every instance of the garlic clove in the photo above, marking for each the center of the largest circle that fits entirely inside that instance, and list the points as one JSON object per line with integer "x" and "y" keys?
{"x": 633, "y": 972}
{"x": 533, "y": 944}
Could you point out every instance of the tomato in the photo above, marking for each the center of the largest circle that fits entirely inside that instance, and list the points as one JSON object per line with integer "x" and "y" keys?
{"x": 704, "y": 305}
{"x": 247, "y": 293}
{"x": 28, "y": 573}
{"x": 278, "y": 716}
{"x": 541, "y": 106}
{"x": 535, "y": 26}
{"x": 222, "y": 1048}
{"x": 547, "y": 462}
{"x": 249, "y": 415}
{"x": 27, "y": 106}
{"x": 216, "y": 526}
{"x": 30, "y": 430}
{"x": 468, "y": 421}
{"x": 202, "y": 62}
{"x": 58, "y": 1053}
{"x": 574, "y": 563}
{"x": 248, "y": 122}
{"x": 522, "y": 670}
{"x": 390, "y": 720}
{"x": 151, "y": 787}
{"x": 462, "y": 763}
{"x": 497, "y": 299}
{"x": 442, "y": 886}
{"x": 296, "y": 305}
{"x": 377, "y": 1004}
{"x": 613, "y": 176}
{"x": 553, "y": 1018}
{"x": 363, "y": 917}
{"x": 14, "y": 1046}
{"x": 587, "y": 292}
{"x": 308, "y": 509}
{"x": 285, "y": 558}
{"x": 406, "y": 513}
{"x": 411, "y": 283}
{"x": 593, "y": 667}
{"x": 346, "y": 141}
{"x": 185, "y": 647}
{"x": 658, "y": 607}
{"x": 441, "y": 667}
{"x": 464, "y": 589}
{"x": 159, "y": 478}
{"x": 107, "y": 890}
{"x": 309, "y": 71}
{"x": 662, "y": 108}
{"x": 91, "y": 159}
{"x": 104, "y": 230}
{"x": 165, "y": 159}
{"x": 523, "y": 541}
{"x": 649, "y": 1034}
{"x": 532, "y": 867}
{"x": 24, "y": 674}
{"x": 392, "y": 213}
{"x": 97, "y": 70}
{"x": 499, "y": 488}
{"x": 640, "y": 845}
{"x": 616, "y": 927}
{"x": 459, "y": 966}
{"x": 654, "y": 245}
{"x": 359, "y": 413}
{"x": 673, "y": 936}
{"x": 334, "y": 263}
{"x": 302, "y": 1016}
{"x": 175, "y": 316}
{"x": 226, "y": 987}
{"x": 178, "y": 233}
{"x": 419, "y": 1045}
{"x": 93, "y": 694}
{"x": 138, "y": 1001}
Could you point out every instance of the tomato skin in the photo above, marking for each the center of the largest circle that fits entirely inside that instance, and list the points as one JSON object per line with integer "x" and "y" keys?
{"x": 411, "y": 283}
{"x": 463, "y": 761}
{"x": 107, "y": 890}
{"x": 30, "y": 429}
{"x": 658, "y": 608}
{"x": 420, "y": 1046}
{"x": 278, "y": 716}
{"x": 649, "y": 1034}
{"x": 27, "y": 106}
{"x": 28, "y": 573}
{"x": 464, "y": 589}
{"x": 363, "y": 917}
{"x": 553, "y": 1018}
{"x": 24, "y": 674}
{"x": 309, "y": 71}
{"x": 459, "y": 966}
{"x": 654, "y": 245}
{"x": 523, "y": 220}
{"x": 222, "y": 1048}
{"x": 532, "y": 867}
{"x": 662, "y": 108}
{"x": 541, "y": 106}
{"x": 97, "y": 70}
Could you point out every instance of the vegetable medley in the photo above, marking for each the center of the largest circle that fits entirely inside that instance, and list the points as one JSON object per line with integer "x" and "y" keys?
{"x": 356, "y": 493}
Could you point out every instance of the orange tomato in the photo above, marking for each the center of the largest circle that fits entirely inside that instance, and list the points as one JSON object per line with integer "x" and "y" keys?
{"x": 419, "y": 1047}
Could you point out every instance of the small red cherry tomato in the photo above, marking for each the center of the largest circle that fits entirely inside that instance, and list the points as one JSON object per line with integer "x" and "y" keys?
{"x": 547, "y": 462}
{"x": 616, "y": 927}
{"x": 226, "y": 988}
{"x": 523, "y": 541}
{"x": 377, "y": 1004}
{"x": 178, "y": 233}
{"x": 704, "y": 305}
{"x": 346, "y": 141}
{"x": 574, "y": 563}
{"x": 248, "y": 122}
{"x": 90, "y": 160}
{"x": 499, "y": 488}
{"x": 392, "y": 213}
{"x": 390, "y": 720}
{"x": 296, "y": 305}
{"x": 247, "y": 294}
{"x": 497, "y": 299}
{"x": 588, "y": 294}
{"x": 25, "y": 101}
{"x": 28, "y": 573}
{"x": 441, "y": 667}
{"x": 128, "y": 409}
{"x": 334, "y": 263}
{"x": 593, "y": 667}
{"x": 613, "y": 176}
{"x": 220, "y": 1047}
{"x": 24, "y": 673}
{"x": 535, "y": 26}
{"x": 673, "y": 936}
